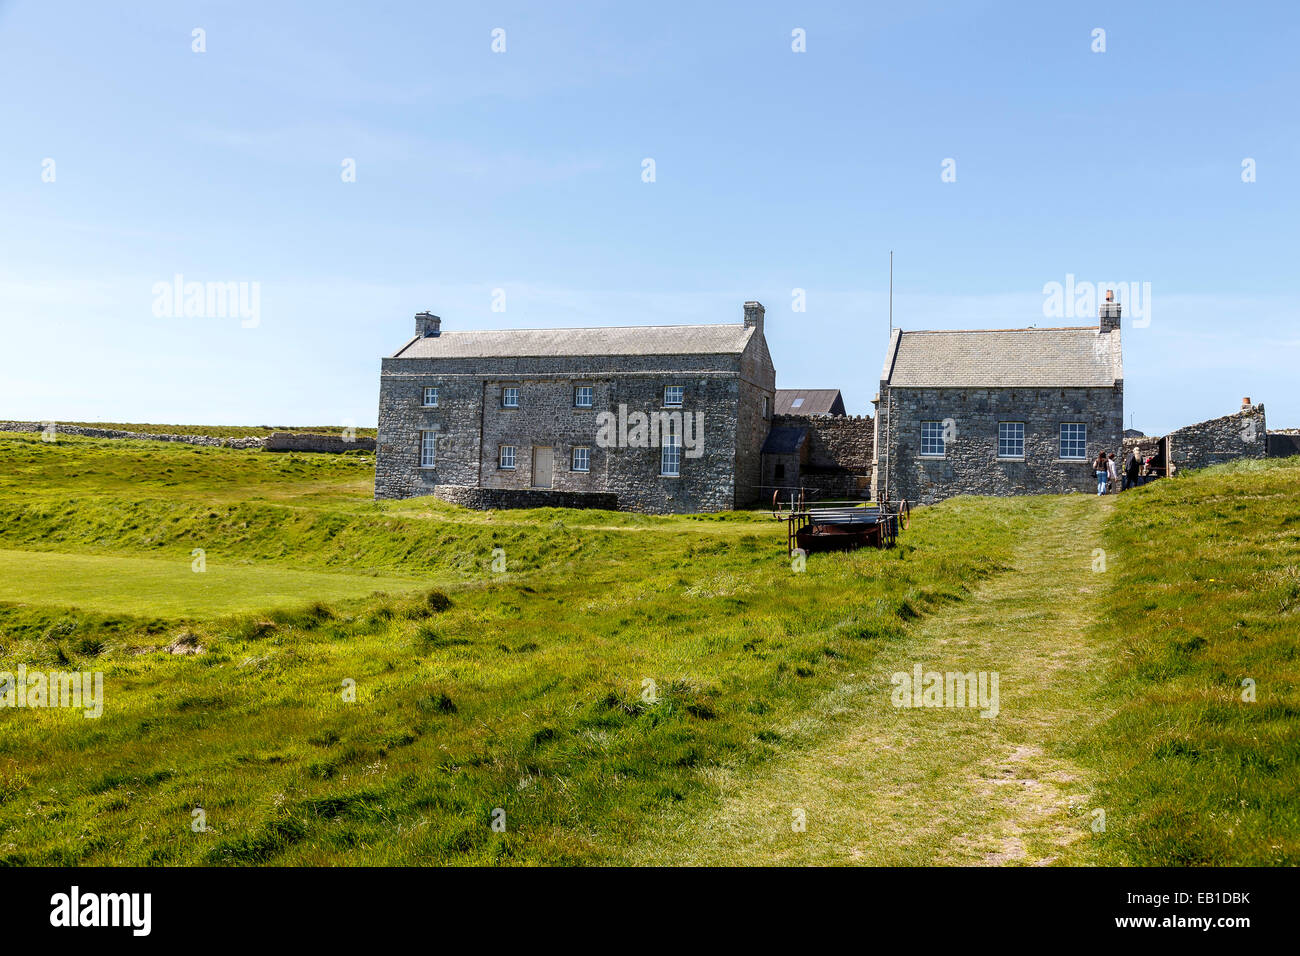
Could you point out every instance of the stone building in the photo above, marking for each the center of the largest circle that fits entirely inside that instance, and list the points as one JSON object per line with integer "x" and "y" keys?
{"x": 809, "y": 401}
{"x": 998, "y": 412}
{"x": 654, "y": 418}
{"x": 823, "y": 456}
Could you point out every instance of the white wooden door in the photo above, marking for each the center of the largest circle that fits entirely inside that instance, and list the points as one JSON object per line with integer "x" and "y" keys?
{"x": 543, "y": 466}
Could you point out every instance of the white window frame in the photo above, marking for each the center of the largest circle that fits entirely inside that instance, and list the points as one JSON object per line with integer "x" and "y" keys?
{"x": 581, "y": 454}
{"x": 1016, "y": 428}
{"x": 677, "y": 390}
{"x": 577, "y": 396}
{"x": 506, "y": 455}
{"x": 935, "y": 433}
{"x": 1078, "y": 438}
{"x": 507, "y": 393}
{"x": 428, "y": 448}
{"x": 424, "y": 397}
{"x": 670, "y": 457}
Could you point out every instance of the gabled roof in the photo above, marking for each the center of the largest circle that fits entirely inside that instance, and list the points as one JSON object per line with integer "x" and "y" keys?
{"x": 1005, "y": 358}
{"x": 809, "y": 401}
{"x": 618, "y": 340}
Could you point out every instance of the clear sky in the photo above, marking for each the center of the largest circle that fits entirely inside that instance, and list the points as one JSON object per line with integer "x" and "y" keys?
{"x": 522, "y": 171}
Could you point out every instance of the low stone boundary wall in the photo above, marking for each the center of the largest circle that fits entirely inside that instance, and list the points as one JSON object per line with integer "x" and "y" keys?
{"x": 308, "y": 441}
{"x": 211, "y": 441}
{"x": 485, "y": 499}
{"x": 279, "y": 441}
{"x": 1283, "y": 444}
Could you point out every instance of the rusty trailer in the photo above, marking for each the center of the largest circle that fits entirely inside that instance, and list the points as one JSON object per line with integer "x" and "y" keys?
{"x": 844, "y": 526}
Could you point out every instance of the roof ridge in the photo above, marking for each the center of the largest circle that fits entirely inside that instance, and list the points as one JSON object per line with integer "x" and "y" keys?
{"x": 1041, "y": 328}
{"x": 601, "y": 328}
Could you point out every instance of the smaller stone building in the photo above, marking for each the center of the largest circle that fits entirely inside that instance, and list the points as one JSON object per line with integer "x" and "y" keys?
{"x": 809, "y": 402}
{"x": 823, "y": 456}
{"x": 998, "y": 411}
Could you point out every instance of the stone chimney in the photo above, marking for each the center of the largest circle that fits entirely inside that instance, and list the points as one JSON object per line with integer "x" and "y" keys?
{"x": 427, "y": 324}
{"x": 754, "y": 315}
{"x": 1109, "y": 313}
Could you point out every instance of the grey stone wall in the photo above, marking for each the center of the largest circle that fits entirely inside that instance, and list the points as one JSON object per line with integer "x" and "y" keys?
{"x": 308, "y": 441}
{"x": 211, "y": 441}
{"x": 838, "y": 455}
{"x": 970, "y": 464}
{"x": 1241, "y": 435}
{"x": 472, "y": 425}
{"x": 492, "y": 498}
{"x": 1283, "y": 444}
{"x": 754, "y": 416}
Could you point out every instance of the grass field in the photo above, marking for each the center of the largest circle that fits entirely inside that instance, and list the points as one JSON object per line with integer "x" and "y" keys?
{"x": 632, "y": 688}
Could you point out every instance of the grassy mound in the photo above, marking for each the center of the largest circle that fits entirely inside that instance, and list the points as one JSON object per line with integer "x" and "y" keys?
{"x": 1203, "y": 753}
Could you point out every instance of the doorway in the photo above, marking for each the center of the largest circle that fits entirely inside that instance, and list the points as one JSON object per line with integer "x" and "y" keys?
{"x": 543, "y": 466}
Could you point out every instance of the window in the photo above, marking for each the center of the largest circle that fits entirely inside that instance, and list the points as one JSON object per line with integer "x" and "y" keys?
{"x": 673, "y": 395}
{"x": 430, "y": 396}
{"x": 582, "y": 396}
{"x": 797, "y": 403}
{"x": 1074, "y": 440}
{"x": 581, "y": 459}
{"x": 670, "y": 454}
{"x": 507, "y": 458}
{"x": 428, "y": 449}
{"x": 1011, "y": 439}
{"x": 932, "y": 439}
{"x": 510, "y": 398}
{"x": 765, "y": 406}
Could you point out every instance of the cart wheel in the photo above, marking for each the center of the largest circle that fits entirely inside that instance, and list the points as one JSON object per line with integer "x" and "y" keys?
{"x": 904, "y": 514}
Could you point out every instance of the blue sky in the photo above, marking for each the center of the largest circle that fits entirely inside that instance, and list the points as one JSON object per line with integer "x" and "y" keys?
{"x": 522, "y": 171}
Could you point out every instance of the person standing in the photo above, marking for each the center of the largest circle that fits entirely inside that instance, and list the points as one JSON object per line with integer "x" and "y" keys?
{"x": 1099, "y": 467}
{"x": 1112, "y": 473}
{"x": 1131, "y": 469}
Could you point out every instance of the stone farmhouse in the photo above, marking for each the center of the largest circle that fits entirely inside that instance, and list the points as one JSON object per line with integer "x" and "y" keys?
{"x": 998, "y": 412}
{"x": 649, "y": 418}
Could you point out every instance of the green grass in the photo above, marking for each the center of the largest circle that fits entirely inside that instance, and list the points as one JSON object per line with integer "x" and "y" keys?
{"x": 153, "y": 586}
{"x": 524, "y": 693}
{"x": 522, "y": 690}
{"x": 1205, "y": 596}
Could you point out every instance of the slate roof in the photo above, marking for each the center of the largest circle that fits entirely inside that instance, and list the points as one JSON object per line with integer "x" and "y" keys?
{"x": 810, "y": 401}
{"x": 784, "y": 441}
{"x": 619, "y": 340}
{"x": 1005, "y": 358}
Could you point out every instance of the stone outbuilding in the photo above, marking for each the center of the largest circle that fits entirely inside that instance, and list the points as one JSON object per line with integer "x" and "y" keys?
{"x": 809, "y": 401}
{"x": 998, "y": 411}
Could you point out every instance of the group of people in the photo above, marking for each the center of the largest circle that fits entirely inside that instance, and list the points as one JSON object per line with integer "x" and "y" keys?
{"x": 1136, "y": 471}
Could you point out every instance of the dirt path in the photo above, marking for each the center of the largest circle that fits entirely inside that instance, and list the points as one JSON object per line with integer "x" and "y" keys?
{"x": 879, "y": 784}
